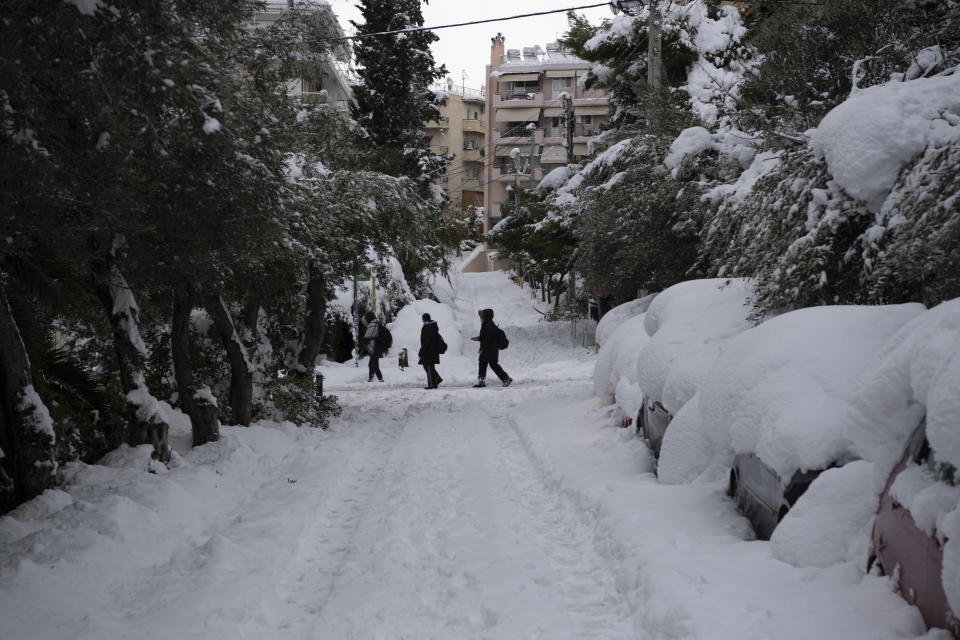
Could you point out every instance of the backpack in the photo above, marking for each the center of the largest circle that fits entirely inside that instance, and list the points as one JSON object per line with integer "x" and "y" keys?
{"x": 502, "y": 340}
{"x": 442, "y": 348}
{"x": 384, "y": 339}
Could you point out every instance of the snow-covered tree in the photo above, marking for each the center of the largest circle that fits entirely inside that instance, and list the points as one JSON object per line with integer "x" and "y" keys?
{"x": 393, "y": 99}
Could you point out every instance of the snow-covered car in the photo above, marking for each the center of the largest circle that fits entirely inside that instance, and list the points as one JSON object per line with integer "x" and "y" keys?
{"x": 905, "y": 420}
{"x": 686, "y": 323}
{"x": 652, "y": 422}
{"x": 780, "y": 391}
{"x": 762, "y": 495}
{"x": 902, "y": 548}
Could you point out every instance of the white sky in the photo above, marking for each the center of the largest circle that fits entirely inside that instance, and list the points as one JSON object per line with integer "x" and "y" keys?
{"x": 468, "y": 48}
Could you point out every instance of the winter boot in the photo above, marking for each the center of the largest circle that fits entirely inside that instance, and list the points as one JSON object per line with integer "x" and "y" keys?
{"x": 480, "y": 383}
{"x": 507, "y": 382}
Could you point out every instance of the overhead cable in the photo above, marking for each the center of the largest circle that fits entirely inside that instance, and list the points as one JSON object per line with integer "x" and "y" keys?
{"x": 464, "y": 24}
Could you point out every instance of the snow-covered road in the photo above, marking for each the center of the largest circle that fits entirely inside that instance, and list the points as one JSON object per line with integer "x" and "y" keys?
{"x": 495, "y": 513}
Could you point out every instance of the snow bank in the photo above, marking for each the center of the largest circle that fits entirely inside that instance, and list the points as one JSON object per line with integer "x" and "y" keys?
{"x": 116, "y": 524}
{"x": 782, "y": 389}
{"x": 682, "y": 320}
{"x": 868, "y": 139}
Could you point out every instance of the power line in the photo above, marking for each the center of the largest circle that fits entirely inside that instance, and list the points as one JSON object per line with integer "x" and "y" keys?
{"x": 464, "y": 24}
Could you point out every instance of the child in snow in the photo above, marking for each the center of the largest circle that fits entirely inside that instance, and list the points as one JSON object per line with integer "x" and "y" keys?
{"x": 372, "y": 345}
{"x": 431, "y": 346}
{"x": 491, "y": 339}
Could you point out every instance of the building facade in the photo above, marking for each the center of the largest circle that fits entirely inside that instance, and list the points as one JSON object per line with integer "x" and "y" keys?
{"x": 525, "y": 122}
{"x": 331, "y": 82}
{"x": 460, "y": 134}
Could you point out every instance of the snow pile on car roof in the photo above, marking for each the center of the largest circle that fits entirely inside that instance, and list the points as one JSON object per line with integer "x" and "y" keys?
{"x": 781, "y": 390}
{"x": 611, "y": 320}
{"x": 918, "y": 374}
{"x": 686, "y": 323}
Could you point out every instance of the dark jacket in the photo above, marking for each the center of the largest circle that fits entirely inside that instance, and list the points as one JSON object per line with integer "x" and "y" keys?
{"x": 369, "y": 339}
{"x": 489, "y": 336}
{"x": 430, "y": 343}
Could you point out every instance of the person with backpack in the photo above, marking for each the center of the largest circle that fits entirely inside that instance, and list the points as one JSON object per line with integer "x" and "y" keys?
{"x": 376, "y": 340}
{"x": 492, "y": 340}
{"x": 431, "y": 346}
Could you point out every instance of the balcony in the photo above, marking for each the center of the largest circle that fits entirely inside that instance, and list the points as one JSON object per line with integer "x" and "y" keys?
{"x": 473, "y": 126}
{"x": 528, "y": 99}
{"x": 473, "y": 155}
{"x": 516, "y": 136}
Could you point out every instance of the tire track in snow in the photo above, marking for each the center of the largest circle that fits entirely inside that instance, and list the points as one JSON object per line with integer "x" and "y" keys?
{"x": 582, "y": 554}
{"x": 326, "y": 548}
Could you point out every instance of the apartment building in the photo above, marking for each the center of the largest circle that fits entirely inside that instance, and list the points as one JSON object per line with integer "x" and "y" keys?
{"x": 331, "y": 82}
{"x": 525, "y": 122}
{"x": 460, "y": 134}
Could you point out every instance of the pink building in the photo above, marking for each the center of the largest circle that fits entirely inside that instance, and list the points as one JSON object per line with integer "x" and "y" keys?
{"x": 525, "y": 125}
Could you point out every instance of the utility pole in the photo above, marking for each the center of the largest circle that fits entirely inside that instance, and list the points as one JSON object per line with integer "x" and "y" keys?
{"x": 356, "y": 318}
{"x": 373, "y": 286}
{"x": 654, "y": 35}
{"x": 568, "y": 124}
{"x": 532, "y": 128}
{"x": 515, "y": 156}
{"x": 654, "y": 51}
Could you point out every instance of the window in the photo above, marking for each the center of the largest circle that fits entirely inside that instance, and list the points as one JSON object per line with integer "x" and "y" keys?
{"x": 586, "y": 119}
{"x": 562, "y": 84}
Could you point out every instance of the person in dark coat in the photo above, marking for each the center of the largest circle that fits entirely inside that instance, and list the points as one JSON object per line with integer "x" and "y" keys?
{"x": 371, "y": 346}
{"x": 430, "y": 342}
{"x": 489, "y": 339}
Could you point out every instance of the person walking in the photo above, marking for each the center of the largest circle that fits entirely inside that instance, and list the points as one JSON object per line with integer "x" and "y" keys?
{"x": 372, "y": 345}
{"x": 431, "y": 346}
{"x": 492, "y": 340}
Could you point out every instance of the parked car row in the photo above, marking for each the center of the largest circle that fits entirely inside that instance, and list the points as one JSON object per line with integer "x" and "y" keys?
{"x": 773, "y": 406}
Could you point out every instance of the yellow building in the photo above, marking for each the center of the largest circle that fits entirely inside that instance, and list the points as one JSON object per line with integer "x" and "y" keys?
{"x": 460, "y": 134}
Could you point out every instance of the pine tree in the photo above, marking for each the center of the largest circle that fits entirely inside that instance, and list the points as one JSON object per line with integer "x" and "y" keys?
{"x": 394, "y": 99}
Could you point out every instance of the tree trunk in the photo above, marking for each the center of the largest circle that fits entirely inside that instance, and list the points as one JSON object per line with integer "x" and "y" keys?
{"x": 251, "y": 315}
{"x": 556, "y": 297}
{"x": 28, "y": 465}
{"x": 146, "y": 423}
{"x": 241, "y": 371}
{"x": 315, "y": 325}
{"x": 547, "y": 280}
{"x": 198, "y": 405}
